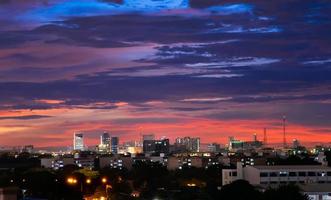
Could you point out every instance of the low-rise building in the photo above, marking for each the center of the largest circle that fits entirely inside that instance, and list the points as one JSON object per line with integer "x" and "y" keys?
{"x": 317, "y": 191}
{"x": 116, "y": 162}
{"x": 56, "y": 163}
{"x": 280, "y": 174}
{"x": 175, "y": 162}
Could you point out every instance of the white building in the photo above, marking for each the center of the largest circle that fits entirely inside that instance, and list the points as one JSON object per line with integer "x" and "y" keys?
{"x": 317, "y": 191}
{"x": 78, "y": 141}
{"x": 281, "y": 174}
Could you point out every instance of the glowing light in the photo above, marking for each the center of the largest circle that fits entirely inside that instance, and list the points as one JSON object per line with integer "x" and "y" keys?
{"x": 104, "y": 180}
{"x": 71, "y": 181}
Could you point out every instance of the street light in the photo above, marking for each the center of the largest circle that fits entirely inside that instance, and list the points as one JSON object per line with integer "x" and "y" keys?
{"x": 104, "y": 180}
{"x": 88, "y": 181}
{"x": 191, "y": 185}
{"x": 71, "y": 181}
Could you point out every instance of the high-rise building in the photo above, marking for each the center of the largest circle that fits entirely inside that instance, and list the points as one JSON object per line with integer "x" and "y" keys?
{"x": 190, "y": 144}
{"x": 114, "y": 145}
{"x": 105, "y": 139}
{"x": 78, "y": 141}
{"x": 195, "y": 144}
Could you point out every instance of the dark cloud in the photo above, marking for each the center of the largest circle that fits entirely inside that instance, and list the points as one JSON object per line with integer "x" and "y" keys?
{"x": 246, "y": 51}
{"x": 26, "y": 117}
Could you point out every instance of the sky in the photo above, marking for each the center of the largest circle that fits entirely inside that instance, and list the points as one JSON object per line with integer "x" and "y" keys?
{"x": 199, "y": 68}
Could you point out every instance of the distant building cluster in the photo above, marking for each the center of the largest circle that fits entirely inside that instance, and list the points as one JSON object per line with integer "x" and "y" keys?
{"x": 149, "y": 144}
{"x": 254, "y": 161}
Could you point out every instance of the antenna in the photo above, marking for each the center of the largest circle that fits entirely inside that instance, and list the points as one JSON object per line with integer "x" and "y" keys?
{"x": 284, "y": 131}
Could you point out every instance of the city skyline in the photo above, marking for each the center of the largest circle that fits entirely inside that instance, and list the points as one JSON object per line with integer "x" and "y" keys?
{"x": 173, "y": 68}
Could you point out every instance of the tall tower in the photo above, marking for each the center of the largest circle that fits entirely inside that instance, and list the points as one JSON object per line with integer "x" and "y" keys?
{"x": 265, "y": 136}
{"x": 114, "y": 145}
{"x": 78, "y": 141}
{"x": 105, "y": 139}
{"x": 284, "y": 131}
{"x": 254, "y": 137}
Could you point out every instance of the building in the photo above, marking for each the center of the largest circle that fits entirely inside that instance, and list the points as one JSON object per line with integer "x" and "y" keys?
{"x": 156, "y": 146}
{"x": 214, "y": 148}
{"x": 114, "y": 145}
{"x": 317, "y": 191}
{"x": 105, "y": 139}
{"x": 321, "y": 158}
{"x": 188, "y": 143}
{"x": 28, "y": 149}
{"x": 134, "y": 150}
{"x": 175, "y": 162}
{"x": 87, "y": 162}
{"x": 278, "y": 174}
{"x": 105, "y": 142}
{"x": 78, "y": 141}
{"x": 235, "y": 144}
{"x": 296, "y": 143}
{"x": 304, "y": 174}
{"x": 148, "y": 137}
{"x": 56, "y": 163}
{"x": 116, "y": 162}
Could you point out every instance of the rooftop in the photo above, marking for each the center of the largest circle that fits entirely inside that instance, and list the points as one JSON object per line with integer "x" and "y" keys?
{"x": 282, "y": 167}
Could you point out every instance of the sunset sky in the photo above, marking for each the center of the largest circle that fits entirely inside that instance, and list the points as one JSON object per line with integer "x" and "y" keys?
{"x": 205, "y": 68}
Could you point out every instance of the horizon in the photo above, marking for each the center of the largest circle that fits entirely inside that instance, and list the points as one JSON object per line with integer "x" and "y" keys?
{"x": 198, "y": 68}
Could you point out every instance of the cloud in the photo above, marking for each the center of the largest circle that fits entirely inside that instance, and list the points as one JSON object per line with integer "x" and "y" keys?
{"x": 26, "y": 117}
{"x": 236, "y": 62}
{"x": 317, "y": 62}
{"x": 95, "y": 65}
{"x": 211, "y": 99}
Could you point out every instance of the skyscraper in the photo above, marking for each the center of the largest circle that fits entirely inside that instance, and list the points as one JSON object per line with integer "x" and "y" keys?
{"x": 114, "y": 145}
{"x": 190, "y": 144}
{"x": 105, "y": 139}
{"x": 78, "y": 141}
{"x": 104, "y": 146}
{"x": 195, "y": 144}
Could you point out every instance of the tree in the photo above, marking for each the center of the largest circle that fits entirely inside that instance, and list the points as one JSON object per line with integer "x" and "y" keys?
{"x": 240, "y": 190}
{"x": 284, "y": 192}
